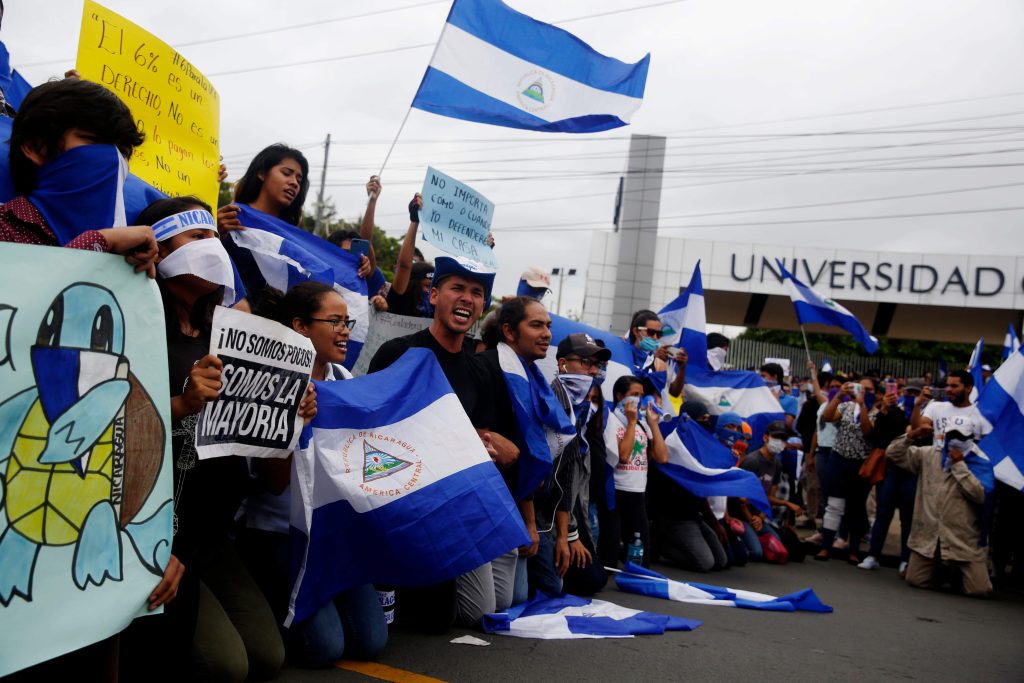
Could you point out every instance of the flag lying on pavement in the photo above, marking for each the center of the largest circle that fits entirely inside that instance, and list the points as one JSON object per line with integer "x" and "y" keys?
{"x": 567, "y": 617}
{"x": 636, "y": 579}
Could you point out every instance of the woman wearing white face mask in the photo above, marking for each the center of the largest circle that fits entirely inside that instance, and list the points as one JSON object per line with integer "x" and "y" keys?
{"x": 220, "y": 626}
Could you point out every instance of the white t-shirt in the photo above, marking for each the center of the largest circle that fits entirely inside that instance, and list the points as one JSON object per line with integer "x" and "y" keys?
{"x": 941, "y": 412}
{"x": 826, "y": 430}
{"x": 632, "y": 475}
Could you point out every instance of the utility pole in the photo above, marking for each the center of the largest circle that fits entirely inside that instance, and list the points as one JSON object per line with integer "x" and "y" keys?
{"x": 318, "y": 226}
{"x": 562, "y": 274}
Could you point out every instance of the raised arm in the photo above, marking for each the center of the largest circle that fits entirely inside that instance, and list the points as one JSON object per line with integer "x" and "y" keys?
{"x": 403, "y": 268}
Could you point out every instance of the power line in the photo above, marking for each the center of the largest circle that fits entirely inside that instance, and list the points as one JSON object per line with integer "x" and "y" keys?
{"x": 555, "y": 227}
{"x": 263, "y": 32}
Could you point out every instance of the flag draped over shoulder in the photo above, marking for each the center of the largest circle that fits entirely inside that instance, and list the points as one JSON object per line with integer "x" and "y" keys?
{"x": 495, "y": 65}
{"x": 812, "y": 307}
{"x": 392, "y": 484}
{"x": 544, "y": 426}
{"x": 275, "y": 253}
{"x": 699, "y": 463}
{"x": 1011, "y": 344}
{"x": 568, "y": 617}
{"x": 636, "y": 579}
{"x": 1002, "y": 405}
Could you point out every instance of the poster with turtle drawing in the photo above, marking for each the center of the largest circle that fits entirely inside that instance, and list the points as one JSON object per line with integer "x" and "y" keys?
{"x": 86, "y": 503}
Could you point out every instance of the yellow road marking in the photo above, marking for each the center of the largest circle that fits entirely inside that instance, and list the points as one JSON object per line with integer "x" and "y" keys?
{"x": 384, "y": 672}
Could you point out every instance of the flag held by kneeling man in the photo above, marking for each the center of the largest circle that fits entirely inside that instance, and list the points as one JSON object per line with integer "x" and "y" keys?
{"x": 392, "y": 484}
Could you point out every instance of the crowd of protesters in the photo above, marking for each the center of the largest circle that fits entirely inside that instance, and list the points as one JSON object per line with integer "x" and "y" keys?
{"x": 225, "y": 588}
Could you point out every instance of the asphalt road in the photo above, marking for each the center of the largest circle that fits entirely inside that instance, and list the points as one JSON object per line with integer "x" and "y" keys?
{"x": 881, "y": 630}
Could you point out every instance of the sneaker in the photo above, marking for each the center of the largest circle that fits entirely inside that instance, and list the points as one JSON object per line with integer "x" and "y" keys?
{"x": 903, "y": 570}
{"x": 869, "y": 563}
{"x": 841, "y": 544}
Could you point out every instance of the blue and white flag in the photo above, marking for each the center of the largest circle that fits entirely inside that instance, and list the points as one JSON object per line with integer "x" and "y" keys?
{"x": 275, "y": 253}
{"x": 1002, "y": 406}
{"x": 826, "y": 366}
{"x": 495, "y": 65}
{"x": 392, "y": 484}
{"x": 812, "y": 307}
{"x": 567, "y": 617}
{"x": 699, "y": 463}
{"x": 686, "y": 316}
{"x": 544, "y": 426}
{"x": 636, "y": 579}
{"x": 974, "y": 367}
{"x": 735, "y": 391}
{"x": 1011, "y": 344}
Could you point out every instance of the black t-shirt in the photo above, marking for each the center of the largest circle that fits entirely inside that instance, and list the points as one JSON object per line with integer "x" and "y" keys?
{"x": 465, "y": 374}
{"x": 502, "y": 415}
{"x": 667, "y": 501}
{"x": 769, "y": 473}
{"x": 207, "y": 493}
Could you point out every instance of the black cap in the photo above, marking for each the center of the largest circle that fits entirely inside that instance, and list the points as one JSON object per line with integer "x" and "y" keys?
{"x": 584, "y": 346}
{"x": 779, "y": 428}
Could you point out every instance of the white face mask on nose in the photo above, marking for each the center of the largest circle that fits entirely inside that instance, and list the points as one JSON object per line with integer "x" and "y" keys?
{"x": 716, "y": 357}
{"x": 205, "y": 259}
{"x": 776, "y": 446}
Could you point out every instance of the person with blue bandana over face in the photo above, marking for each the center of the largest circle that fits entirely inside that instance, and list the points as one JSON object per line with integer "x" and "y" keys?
{"x": 69, "y": 148}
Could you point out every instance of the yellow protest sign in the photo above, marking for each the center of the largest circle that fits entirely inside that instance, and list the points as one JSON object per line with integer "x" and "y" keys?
{"x": 173, "y": 102}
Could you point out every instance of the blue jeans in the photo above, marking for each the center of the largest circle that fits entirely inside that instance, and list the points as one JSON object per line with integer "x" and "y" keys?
{"x": 752, "y": 543}
{"x": 595, "y": 526}
{"x": 541, "y": 567}
{"x": 521, "y": 587}
{"x": 846, "y": 501}
{"x": 896, "y": 491}
{"x": 351, "y": 625}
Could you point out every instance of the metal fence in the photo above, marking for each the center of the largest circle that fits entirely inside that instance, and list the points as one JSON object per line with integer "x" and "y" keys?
{"x": 749, "y": 353}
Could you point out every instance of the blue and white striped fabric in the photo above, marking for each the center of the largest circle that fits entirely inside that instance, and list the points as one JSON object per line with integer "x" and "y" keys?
{"x": 812, "y": 307}
{"x": 272, "y": 252}
{"x": 1011, "y": 344}
{"x": 974, "y": 367}
{"x": 392, "y": 484}
{"x": 636, "y": 579}
{"x": 699, "y": 463}
{"x": 1002, "y": 406}
{"x": 544, "y": 426}
{"x": 735, "y": 391}
{"x": 620, "y": 365}
{"x": 686, "y": 316}
{"x": 568, "y": 617}
{"x": 494, "y": 65}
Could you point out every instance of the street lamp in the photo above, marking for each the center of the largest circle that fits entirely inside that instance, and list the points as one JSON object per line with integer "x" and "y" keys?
{"x": 562, "y": 273}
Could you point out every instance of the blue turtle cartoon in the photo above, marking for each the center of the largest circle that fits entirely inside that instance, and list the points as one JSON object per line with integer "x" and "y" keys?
{"x": 83, "y": 449}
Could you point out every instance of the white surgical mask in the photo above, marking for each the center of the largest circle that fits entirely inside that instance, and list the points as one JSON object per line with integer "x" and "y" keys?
{"x": 206, "y": 259}
{"x": 716, "y": 357}
{"x": 776, "y": 446}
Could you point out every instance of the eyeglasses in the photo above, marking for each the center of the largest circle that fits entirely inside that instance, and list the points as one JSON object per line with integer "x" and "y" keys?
{"x": 650, "y": 332}
{"x": 334, "y": 322}
{"x": 587, "y": 362}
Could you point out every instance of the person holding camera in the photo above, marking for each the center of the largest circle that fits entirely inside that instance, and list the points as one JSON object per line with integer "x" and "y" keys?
{"x": 930, "y": 410}
{"x": 854, "y": 411}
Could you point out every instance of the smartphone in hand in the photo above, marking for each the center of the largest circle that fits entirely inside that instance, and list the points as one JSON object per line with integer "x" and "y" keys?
{"x": 360, "y": 247}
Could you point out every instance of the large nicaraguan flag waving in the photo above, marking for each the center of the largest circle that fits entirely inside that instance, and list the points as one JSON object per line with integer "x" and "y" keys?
{"x": 566, "y": 617}
{"x": 392, "y": 484}
{"x": 544, "y": 426}
{"x": 1002, "y": 405}
{"x": 495, "y": 65}
{"x": 699, "y": 463}
{"x": 812, "y": 307}
{"x": 271, "y": 252}
{"x": 634, "y": 579}
{"x": 722, "y": 391}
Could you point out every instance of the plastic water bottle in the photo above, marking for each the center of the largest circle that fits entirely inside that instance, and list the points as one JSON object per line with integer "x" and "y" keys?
{"x": 635, "y": 553}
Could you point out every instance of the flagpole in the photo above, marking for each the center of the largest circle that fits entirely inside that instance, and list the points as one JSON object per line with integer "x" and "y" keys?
{"x": 807, "y": 347}
{"x": 409, "y": 110}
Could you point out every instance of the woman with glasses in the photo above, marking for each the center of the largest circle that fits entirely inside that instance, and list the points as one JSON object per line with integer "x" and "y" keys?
{"x": 352, "y": 624}
{"x": 650, "y": 357}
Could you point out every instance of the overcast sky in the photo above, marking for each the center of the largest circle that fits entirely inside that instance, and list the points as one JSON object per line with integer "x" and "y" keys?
{"x": 765, "y": 104}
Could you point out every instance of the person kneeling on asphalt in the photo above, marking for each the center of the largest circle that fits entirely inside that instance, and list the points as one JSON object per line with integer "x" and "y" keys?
{"x": 948, "y": 508}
